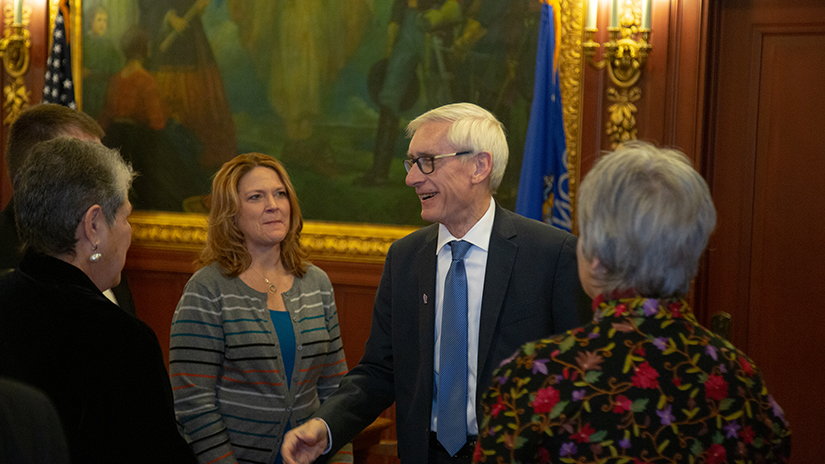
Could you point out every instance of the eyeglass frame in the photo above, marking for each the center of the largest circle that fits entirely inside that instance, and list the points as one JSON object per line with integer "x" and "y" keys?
{"x": 408, "y": 162}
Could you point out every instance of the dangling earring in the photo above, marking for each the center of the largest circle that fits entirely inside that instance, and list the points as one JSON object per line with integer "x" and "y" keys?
{"x": 95, "y": 256}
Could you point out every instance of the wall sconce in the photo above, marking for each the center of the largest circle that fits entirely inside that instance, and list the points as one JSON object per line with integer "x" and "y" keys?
{"x": 14, "y": 47}
{"x": 625, "y": 54}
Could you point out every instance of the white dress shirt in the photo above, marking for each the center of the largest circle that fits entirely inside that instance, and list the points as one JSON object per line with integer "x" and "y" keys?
{"x": 475, "y": 263}
{"x": 111, "y": 296}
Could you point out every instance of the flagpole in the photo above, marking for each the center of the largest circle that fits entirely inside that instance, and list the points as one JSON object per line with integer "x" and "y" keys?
{"x": 75, "y": 37}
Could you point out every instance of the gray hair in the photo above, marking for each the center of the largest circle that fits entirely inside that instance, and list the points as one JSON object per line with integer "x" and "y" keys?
{"x": 58, "y": 182}
{"x": 473, "y": 128}
{"x": 646, "y": 215}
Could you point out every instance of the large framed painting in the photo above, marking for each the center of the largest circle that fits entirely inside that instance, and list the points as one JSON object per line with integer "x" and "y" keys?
{"x": 325, "y": 86}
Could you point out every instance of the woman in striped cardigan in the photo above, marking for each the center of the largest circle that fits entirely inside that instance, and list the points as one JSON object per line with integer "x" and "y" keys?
{"x": 255, "y": 345}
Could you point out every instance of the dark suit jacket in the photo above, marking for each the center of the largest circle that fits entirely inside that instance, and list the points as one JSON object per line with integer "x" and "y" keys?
{"x": 10, "y": 257}
{"x": 30, "y": 430}
{"x": 9, "y": 241}
{"x": 102, "y": 368}
{"x": 531, "y": 290}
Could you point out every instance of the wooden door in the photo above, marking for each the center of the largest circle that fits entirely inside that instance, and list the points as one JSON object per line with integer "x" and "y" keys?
{"x": 766, "y": 260}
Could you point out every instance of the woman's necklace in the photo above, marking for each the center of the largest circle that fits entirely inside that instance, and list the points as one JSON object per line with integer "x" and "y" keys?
{"x": 272, "y": 288}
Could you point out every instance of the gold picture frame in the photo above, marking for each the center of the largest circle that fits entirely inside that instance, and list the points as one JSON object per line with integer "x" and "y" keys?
{"x": 347, "y": 241}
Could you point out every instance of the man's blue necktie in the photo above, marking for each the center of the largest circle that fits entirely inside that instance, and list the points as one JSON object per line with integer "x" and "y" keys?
{"x": 452, "y": 376}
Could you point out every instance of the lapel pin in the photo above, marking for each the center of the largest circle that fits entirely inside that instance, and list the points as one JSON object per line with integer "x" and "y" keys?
{"x": 425, "y": 298}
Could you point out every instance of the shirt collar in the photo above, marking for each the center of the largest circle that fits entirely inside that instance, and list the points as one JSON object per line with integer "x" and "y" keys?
{"x": 479, "y": 235}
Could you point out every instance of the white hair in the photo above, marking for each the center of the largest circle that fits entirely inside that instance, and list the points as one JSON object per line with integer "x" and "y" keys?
{"x": 646, "y": 215}
{"x": 472, "y": 128}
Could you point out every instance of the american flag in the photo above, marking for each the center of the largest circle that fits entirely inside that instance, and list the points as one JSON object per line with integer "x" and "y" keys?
{"x": 59, "y": 87}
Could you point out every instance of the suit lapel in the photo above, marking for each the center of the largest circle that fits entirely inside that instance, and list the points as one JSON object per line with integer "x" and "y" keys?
{"x": 501, "y": 257}
{"x": 426, "y": 263}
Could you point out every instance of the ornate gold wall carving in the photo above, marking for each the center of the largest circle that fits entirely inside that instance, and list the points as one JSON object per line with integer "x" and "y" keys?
{"x": 624, "y": 57}
{"x": 324, "y": 240}
{"x": 621, "y": 126}
{"x": 571, "y": 67}
{"x": 15, "y": 47}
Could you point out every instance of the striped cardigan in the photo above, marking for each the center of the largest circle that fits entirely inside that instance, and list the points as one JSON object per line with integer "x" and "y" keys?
{"x": 226, "y": 368}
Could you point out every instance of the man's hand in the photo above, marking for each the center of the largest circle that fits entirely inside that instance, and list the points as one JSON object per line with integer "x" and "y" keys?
{"x": 304, "y": 444}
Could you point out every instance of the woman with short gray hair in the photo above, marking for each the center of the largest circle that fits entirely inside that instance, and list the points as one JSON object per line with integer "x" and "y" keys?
{"x": 58, "y": 184}
{"x": 646, "y": 216}
{"x": 642, "y": 381}
{"x": 102, "y": 367}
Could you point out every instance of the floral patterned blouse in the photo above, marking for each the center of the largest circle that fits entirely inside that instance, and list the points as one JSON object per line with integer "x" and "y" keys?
{"x": 643, "y": 382}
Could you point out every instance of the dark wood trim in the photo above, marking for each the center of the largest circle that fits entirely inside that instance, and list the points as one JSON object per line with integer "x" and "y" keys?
{"x": 709, "y": 69}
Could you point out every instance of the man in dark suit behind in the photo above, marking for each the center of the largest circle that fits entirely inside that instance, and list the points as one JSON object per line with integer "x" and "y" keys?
{"x": 38, "y": 124}
{"x": 522, "y": 284}
{"x": 30, "y": 429}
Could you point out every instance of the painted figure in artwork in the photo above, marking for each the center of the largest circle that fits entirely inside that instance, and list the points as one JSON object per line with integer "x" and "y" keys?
{"x": 101, "y": 59}
{"x": 162, "y": 150}
{"x": 182, "y": 63}
{"x": 298, "y": 47}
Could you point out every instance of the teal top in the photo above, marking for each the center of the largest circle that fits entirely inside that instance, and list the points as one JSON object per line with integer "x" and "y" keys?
{"x": 286, "y": 339}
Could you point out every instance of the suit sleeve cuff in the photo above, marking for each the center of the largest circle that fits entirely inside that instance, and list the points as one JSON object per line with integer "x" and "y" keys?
{"x": 329, "y": 436}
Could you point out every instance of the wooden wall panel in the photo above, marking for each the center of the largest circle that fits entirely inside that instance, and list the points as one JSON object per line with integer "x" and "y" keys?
{"x": 156, "y": 278}
{"x": 766, "y": 163}
{"x": 156, "y": 295}
{"x": 785, "y": 326}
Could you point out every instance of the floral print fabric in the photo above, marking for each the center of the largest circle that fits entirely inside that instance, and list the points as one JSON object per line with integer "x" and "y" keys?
{"x": 643, "y": 382}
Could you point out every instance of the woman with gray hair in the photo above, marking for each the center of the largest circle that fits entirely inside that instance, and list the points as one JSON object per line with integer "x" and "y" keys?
{"x": 643, "y": 382}
{"x": 102, "y": 368}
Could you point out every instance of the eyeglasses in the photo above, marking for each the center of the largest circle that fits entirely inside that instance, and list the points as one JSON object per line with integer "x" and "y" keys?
{"x": 427, "y": 163}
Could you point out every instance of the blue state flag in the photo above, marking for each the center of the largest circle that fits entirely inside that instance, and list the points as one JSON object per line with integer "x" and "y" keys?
{"x": 59, "y": 86}
{"x": 544, "y": 185}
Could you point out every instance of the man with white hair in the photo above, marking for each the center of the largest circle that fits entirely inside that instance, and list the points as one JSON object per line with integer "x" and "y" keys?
{"x": 455, "y": 298}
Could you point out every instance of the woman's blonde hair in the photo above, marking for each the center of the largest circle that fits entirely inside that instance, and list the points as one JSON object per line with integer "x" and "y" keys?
{"x": 225, "y": 243}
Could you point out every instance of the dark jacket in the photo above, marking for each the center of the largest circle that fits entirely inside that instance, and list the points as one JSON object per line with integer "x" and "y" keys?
{"x": 102, "y": 368}
{"x": 531, "y": 290}
{"x": 9, "y": 241}
{"x": 30, "y": 430}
